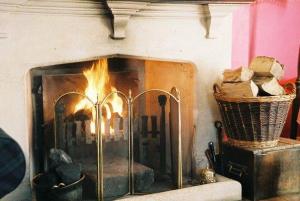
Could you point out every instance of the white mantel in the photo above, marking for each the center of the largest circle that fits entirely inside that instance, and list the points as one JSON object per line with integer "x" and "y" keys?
{"x": 38, "y": 33}
{"x": 122, "y": 11}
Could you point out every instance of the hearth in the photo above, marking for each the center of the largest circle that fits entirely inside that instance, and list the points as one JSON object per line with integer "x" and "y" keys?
{"x": 120, "y": 118}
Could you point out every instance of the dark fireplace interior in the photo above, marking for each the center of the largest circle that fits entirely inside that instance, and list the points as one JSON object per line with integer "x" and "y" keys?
{"x": 69, "y": 123}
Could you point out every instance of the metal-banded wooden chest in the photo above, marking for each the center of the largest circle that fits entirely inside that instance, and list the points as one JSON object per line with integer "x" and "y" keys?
{"x": 265, "y": 172}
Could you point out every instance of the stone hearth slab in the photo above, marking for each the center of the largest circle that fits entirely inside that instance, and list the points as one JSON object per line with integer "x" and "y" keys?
{"x": 224, "y": 189}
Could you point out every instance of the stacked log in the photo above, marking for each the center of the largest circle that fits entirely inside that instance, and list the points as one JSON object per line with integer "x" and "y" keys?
{"x": 267, "y": 67}
{"x": 260, "y": 79}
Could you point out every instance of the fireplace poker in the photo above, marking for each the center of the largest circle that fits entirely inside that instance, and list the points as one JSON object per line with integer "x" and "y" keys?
{"x": 144, "y": 146}
{"x": 154, "y": 126}
{"x": 209, "y": 158}
{"x": 219, "y": 127}
{"x": 144, "y": 126}
{"x": 162, "y": 99}
{"x": 212, "y": 152}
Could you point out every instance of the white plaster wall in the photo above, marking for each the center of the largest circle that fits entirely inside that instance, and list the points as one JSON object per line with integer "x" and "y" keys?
{"x": 32, "y": 40}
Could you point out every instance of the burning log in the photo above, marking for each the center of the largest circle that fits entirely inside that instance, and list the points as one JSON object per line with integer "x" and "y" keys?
{"x": 82, "y": 115}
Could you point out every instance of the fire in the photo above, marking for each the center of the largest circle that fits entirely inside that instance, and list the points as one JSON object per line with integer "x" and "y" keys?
{"x": 116, "y": 102}
{"x": 98, "y": 86}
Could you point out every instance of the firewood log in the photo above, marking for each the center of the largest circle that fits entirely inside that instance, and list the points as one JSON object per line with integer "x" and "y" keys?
{"x": 238, "y": 75}
{"x": 240, "y": 89}
{"x": 267, "y": 66}
{"x": 259, "y": 80}
{"x": 268, "y": 86}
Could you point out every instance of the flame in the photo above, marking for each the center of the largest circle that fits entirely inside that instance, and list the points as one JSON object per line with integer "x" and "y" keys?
{"x": 116, "y": 102}
{"x": 97, "y": 87}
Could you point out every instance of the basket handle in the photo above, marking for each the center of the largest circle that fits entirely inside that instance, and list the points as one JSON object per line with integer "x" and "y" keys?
{"x": 290, "y": 88}
{"x": 217, "y": 88}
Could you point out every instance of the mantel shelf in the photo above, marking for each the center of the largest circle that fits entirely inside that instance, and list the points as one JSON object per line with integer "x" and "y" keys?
{"x": 211, "y": 12}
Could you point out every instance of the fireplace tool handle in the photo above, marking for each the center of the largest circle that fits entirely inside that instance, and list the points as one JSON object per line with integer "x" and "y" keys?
{"x": 162, "y": 99}
{"x": 219, "y": 127}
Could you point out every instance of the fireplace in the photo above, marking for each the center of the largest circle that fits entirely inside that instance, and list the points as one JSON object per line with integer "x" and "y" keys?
{"x": 140, "y": 122}
{"x": 59, "y": 37}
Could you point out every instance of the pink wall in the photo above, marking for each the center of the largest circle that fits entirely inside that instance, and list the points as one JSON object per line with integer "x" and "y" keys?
{"x": 270, "y": 28}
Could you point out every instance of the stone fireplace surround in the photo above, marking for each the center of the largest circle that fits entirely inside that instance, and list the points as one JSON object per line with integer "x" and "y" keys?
{"x": 39, "y": 33}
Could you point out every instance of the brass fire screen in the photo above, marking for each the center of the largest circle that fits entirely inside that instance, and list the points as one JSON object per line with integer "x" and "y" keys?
{"x": 127, "y": 132}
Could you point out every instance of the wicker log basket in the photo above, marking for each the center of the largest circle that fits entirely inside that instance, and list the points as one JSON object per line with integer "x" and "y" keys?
{"x": 254, "y": 122}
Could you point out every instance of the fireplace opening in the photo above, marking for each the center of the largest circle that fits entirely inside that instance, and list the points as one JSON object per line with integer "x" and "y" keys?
{"x": 64, "y": 117}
